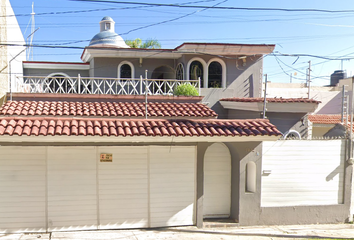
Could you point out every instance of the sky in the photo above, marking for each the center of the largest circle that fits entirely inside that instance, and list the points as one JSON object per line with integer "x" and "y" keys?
{"x": 326, "y": 36}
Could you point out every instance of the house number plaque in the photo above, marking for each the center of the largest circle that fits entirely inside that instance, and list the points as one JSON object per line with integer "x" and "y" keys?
{"x": 106, "y": 157}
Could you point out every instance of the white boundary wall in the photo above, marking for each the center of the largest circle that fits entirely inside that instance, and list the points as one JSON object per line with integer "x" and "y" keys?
{"x": 302, "y": 172}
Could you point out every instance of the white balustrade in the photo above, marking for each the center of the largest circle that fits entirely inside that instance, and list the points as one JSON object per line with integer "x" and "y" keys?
{"x": 82, "y": 85}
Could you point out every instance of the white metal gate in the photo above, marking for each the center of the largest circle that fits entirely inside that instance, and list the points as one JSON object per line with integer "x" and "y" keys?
{"x": 72, "y": 196}
{"x": 22, "y": 189}
{"x": 302, "y": 172}
{"x": 68, "y": 188}
{"x": 217, "y": 182}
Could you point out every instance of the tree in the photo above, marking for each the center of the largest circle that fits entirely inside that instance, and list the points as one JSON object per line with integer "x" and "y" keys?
{"x": 137, "y": 43}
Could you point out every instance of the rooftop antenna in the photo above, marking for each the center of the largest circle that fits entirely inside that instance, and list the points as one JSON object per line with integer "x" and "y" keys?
{"x": 30, "y": 49}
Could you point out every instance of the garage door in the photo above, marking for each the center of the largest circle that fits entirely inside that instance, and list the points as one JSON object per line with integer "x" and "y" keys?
{"x": 72, "y": 189}
{"x": 172, "y": 185}
{"x": 217, "y": 182}
{"x": 123, "y": 188}
{"x": 22, "y": 189}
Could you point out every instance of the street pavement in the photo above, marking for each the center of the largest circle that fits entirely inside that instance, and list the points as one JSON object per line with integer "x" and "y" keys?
{"x": 320, "y": 231}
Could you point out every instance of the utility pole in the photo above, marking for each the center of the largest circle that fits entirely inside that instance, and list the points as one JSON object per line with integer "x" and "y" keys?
{"x": 309, "y": 80}
{"x": 30, "y": 50}
{"x": 265, "y": 97}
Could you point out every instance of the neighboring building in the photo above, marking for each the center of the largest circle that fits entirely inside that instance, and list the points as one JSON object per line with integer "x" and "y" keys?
{"x": 318, "y": 122}
{"x": 10, "y": 61}
{"x": 288, "y": 114}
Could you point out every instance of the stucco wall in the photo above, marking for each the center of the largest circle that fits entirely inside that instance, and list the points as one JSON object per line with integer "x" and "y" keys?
{"x": 3, "y": 50}
{"x": 242, "y": 81}
{"x": 283, "y": 121}
{"x": 108, "y": 67}
{"x": 16, "y": 54}
{"x": 289, "y": 121}
{"x": 46, "y": 72}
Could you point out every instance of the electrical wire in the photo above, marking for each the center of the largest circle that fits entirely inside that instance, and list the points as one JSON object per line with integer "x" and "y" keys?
{"x": 170, "y": 20}
{"x": 222, "y": 8}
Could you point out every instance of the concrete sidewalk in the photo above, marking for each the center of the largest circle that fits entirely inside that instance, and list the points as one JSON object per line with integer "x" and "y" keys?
{"x": 325, "y": 231}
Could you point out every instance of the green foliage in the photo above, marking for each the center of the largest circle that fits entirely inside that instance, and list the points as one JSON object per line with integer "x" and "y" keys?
{"x": 151, "y": 43}
{"x": 137, "y": 43}
{"x": 185, "y": 90}
{"x": 134, "y": 43}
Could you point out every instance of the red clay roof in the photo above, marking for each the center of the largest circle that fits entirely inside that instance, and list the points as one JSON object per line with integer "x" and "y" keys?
{"x": 272, "y": 100}
{"x": 325, "y": 118}
{"x": 34, "y": 126}
{"x": 106, "y": 109}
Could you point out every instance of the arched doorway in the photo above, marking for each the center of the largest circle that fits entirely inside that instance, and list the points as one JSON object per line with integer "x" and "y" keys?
{"x": 217, "y": 182}
{"x": 196, "y": 71}
{"x": 162, "y": 72}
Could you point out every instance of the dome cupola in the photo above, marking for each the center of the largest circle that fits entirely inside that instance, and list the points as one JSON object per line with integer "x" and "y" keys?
{"x": 107, "y": 36}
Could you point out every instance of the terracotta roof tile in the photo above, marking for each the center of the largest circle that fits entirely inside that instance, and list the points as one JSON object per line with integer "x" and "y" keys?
{"x": 325, "y": 118}
{"x": 272, "y": 100}
{"x": 108, "y": 109}
{"x": 47, "y": 126}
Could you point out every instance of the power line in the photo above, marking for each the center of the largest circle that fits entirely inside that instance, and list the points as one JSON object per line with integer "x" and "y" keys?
{"x": 93, "y": 10}
{"x": 170, "y": 20}
{"x": 223, "y": 8}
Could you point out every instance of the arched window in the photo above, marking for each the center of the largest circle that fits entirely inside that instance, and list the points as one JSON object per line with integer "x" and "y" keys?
{"x": 196, "y": 71}
{"x": 214, "y": 75}
{"x": 59, "y": 83}
{"x": 180, "y": 72}
{"x": 125, "y": 70}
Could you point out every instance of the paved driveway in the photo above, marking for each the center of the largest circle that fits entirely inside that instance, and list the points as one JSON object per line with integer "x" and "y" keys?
{"x": 325, "y": 231}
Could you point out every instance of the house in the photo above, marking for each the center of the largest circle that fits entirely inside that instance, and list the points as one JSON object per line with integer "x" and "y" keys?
{"x": 224, "y": 70}
{"x": 288, "y": 114}
{"x": 12, "y": 54}
{"x": 97, "y": 162}
{"x": 333, "y": 102}
{"x": 104, "y": 144}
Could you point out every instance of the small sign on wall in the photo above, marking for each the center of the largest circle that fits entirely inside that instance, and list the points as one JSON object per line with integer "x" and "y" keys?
{"x": 106, "y": 157}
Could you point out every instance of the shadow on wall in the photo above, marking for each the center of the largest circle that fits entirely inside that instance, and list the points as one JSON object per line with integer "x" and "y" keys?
{"x": 245, "y": 89}
{"x": 333, "y": 106}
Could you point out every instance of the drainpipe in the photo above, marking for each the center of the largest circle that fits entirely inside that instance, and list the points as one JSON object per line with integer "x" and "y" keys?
{"x": 343, "y": 102}
{"x": 265, "y": 97}
{"x": 350, "y": 159}
{"x": 146, "y": 95}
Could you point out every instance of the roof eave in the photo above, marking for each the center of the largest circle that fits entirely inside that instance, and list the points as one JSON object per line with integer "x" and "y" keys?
{"x": 291, "y": 107}
{"x": 23, "y": 140}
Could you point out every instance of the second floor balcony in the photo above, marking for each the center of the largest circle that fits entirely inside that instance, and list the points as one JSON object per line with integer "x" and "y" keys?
{"x": 89, "y": 85}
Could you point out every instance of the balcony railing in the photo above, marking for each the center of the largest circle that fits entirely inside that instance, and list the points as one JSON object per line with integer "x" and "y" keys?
{"x": 81, "y": 85}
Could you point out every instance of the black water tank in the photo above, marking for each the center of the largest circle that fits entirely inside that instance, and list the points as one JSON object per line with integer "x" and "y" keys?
{"x": 336, "y": 76}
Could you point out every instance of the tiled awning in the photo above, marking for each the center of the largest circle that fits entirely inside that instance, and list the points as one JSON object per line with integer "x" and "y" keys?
{"x": 325, "y": 118}
{"x": 49, "y": 126}
{"x": 107, "y": 109}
